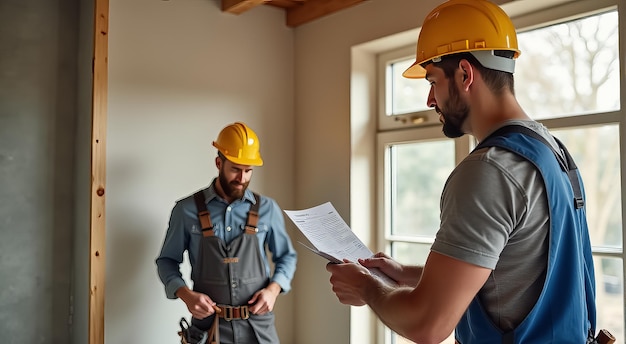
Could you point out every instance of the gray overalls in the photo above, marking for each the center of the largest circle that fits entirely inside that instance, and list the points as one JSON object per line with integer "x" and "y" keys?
{"x": 230, "y": 275}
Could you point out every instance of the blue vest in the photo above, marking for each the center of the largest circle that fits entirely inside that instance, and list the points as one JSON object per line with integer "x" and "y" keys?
{"x": 565, "y": 311}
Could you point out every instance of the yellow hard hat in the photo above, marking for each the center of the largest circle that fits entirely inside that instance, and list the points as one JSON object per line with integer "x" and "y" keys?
{"x": 476, "y": 26}
{"x": 239, "y": 144}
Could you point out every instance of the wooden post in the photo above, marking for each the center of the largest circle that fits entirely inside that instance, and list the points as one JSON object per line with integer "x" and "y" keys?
{"x": 97, "y": 258}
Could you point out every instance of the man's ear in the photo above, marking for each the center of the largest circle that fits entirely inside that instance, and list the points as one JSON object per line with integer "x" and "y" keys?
{"x": 218, "y": 162}
{"x": 468, "y": 72}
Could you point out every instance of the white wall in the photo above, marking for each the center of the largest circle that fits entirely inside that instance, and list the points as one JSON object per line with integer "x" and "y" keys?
{"x": 179, "y": 71}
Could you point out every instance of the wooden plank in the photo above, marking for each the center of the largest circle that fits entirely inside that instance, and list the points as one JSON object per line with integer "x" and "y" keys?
{"x": 285, "y": 3}
{"x": 240, "y": 6}
{"x": 314, "y": 9}
{"x": 97, "y": 257}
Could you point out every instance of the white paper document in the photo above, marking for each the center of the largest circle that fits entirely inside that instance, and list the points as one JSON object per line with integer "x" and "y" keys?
{"x": 330, "y": 236}
{"x": 328, "y": 233}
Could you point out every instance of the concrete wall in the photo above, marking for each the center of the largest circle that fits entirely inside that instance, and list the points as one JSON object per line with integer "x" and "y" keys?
{"x": 38, "y": 93}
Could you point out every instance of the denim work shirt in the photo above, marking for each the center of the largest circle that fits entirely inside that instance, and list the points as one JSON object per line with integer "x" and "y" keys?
{"x": 184, "y": 234}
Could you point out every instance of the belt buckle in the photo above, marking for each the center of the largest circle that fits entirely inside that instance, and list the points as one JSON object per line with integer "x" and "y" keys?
{"x": 245, "y": 312}
{"x": 228, "y": 313}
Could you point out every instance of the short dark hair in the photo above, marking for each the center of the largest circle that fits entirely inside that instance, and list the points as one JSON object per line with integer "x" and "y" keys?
{"x": 221, "y": 156}
{"x": 496, "y": 80}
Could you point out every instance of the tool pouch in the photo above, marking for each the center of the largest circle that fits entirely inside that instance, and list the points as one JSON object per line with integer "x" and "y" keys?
{"x": 190, "y": 334}
{"x": 604, "y": 337}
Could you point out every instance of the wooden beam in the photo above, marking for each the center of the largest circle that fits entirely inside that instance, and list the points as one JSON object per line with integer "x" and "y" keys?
{"x": 240, "y": 6}
{"x": 285, "y": 3}
{"x": 313, "y": 9}
{"x": 97, "y": 240}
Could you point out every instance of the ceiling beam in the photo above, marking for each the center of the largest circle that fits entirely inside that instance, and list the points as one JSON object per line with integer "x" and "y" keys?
{"x": 313, "y": 9}
{"x": 240, "y": 6}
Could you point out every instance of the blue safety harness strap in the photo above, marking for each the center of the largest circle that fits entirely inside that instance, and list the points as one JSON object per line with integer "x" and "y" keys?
{"x": 564, "y": 158}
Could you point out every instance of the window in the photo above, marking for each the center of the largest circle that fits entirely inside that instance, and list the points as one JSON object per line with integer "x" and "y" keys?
{"x": 404, "y": 99}
{"x": 417, "y": 171}
{"x": 570, "y": 69}
{"x": 568, "y": 78}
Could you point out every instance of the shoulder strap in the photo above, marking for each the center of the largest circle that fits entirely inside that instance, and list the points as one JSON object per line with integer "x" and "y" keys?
{"x": 203, "y": 214}
{"x": 253, "y": 215}
{"x": 205, "y": 217}
{"x": 565, "y": 159}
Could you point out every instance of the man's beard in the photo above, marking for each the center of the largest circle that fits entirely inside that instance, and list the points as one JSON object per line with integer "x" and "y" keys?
{"x": 229, "y": 189}
{"x": 455, "y": 113}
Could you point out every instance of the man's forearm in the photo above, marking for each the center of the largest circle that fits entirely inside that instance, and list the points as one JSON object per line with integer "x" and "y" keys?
{"x": 412, "y": 275}
{"x": 394, "y": 307}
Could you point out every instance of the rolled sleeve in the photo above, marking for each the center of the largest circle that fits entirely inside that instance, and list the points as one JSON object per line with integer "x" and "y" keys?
{"x": 174, "y": 282}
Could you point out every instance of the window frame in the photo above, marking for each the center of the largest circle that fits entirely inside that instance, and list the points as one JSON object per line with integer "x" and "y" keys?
{"x": 385, "y": 120}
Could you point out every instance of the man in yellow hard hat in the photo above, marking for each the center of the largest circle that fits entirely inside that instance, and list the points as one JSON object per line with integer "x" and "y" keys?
{"x": 226, "y": 229}
{"x": 511, "y": 261}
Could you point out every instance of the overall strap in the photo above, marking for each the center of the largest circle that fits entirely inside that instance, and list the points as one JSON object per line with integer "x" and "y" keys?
{"x": 253, "y": 215}
{"x": 203, "y": 214}
{"x": 565, "y": 161}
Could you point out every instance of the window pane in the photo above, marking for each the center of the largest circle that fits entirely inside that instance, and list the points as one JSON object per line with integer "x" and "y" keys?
{"x": 405, "y": 95}
{"x": 610, "y": 295}
{"x": 410, "y": 253}
{"x": 418, "y": 173}
{"x": 596, "y": 152}
{"x": 570, "y": 68}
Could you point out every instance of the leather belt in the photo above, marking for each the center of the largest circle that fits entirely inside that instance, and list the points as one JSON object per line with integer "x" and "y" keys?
{"x": 229, "y": 313}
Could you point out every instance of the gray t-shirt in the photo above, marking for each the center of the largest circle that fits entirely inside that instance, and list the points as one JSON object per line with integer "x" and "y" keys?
{"x": 495, "y": 214}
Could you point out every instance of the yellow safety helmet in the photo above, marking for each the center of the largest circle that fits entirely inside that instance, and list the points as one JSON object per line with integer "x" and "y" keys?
{"x": 476, "y": 26}
{"x": 239, "y": 144}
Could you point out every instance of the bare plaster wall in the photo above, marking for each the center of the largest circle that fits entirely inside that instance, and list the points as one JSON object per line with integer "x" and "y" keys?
{"x": 38, "y": 70}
